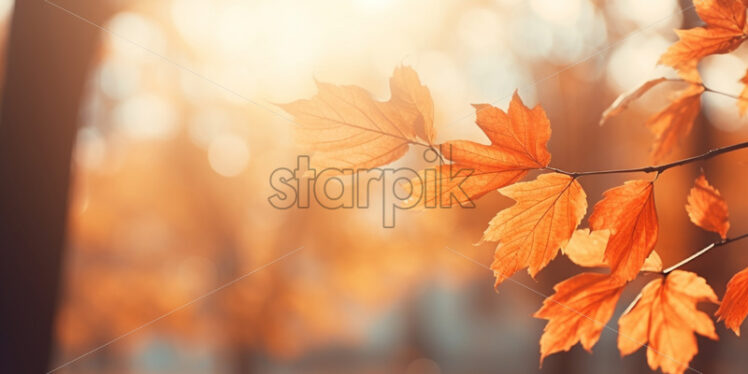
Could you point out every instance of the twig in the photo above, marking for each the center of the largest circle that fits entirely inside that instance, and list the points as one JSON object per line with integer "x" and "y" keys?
{"x": 655, "y": 169}
{"x": 704, "y": 250}
{"x": 736, "y": 97}
{"x": 633, "y": 303}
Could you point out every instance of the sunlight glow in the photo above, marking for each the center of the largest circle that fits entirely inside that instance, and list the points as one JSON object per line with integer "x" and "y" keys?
{"x": 145, "y": 116}
{"x": 228, "y": 155}
{"x": 719, "y": 72}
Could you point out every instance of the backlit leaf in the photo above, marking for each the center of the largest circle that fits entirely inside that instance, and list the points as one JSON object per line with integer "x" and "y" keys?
{"x": 629, "y": 213}
{"x": 734, "y": 307}
{"x": 674, "y": 122}
{"x": 543, "y": 219}
{"x": 625, "y": 99}
{"x": 724, "y": 31}
{"x": 665, "y": 319}
{"x": 346, "y": 128}
{"x": 578, "y": 312}
{"x": 706, "y": 208}
{"x": 518, "y": 144}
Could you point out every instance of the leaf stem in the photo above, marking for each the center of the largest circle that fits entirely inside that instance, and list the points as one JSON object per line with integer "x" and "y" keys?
{"x": 708, "y": 89}
{"x": 632, "y": 304}
{"x": 655, "y": 169}
{"x": 438, "y": 153}
{"x": 415, "y": 142}
{"x": 703, "y": 251}
{"x": 736, "y": 97}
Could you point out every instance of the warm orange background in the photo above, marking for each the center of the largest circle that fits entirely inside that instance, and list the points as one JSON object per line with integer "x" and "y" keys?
{"x": 173, "y": 156}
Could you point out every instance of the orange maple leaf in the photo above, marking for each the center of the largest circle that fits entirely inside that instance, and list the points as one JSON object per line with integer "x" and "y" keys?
{"x": 578, "y": 312}
{"x": 675, "y": 121}
{"x": 743, "y": 100}
{"x": 625, "y": 99}
{"x": 706, "y": 208}
{"x": 531, "y": 231}
{"x": 734, "y": 307}
{"x": 347, "y": 128}
{"x": 587, "y": 249}
{"x": 724, "y": 31}
{"x": 629, "y": 213}
{"x": 518, "y": 145}
{"x": 665, "y": 318}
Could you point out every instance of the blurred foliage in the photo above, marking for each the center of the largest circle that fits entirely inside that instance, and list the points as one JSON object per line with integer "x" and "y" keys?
{"x": 179, "y": 137}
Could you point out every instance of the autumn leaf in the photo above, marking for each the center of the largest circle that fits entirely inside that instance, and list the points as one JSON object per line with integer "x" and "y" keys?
{"x": 665, "y": 319}
{"x": 629, "y": 213}
{"x": 743, "y": 100}
{"x": 675, "y": 121}
{"x": 518, "y": 144}
{"x": 724, "y": 32}
{"x": 587, "y": 249}
{"x": 734, "y": 305}
{"x": 347, "y": 128}
{"x": 671, "y": 124}
{"x": 530, "y": 232}
{"x": 578, "y": 312}
{"x": 625, "y": 99}
{"x": 706, "y": 208}
{"x": 409, "y": 96}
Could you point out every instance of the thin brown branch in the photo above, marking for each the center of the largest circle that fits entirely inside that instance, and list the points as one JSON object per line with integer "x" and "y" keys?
{"x": 415, "y": 142}
{"x": 655, "y": 169}
{"x": 703, "y": 251}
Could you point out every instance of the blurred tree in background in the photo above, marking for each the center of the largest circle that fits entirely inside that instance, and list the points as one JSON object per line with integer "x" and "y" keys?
{"x": 177, "y": 137}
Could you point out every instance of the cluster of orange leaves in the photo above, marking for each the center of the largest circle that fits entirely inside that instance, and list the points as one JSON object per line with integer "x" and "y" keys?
{"x": 724, "y": 31}
{"x": 346, "y": 127}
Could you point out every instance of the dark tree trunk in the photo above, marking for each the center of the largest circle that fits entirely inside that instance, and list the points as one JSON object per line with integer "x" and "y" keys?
{"x": 48, "y": 54}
